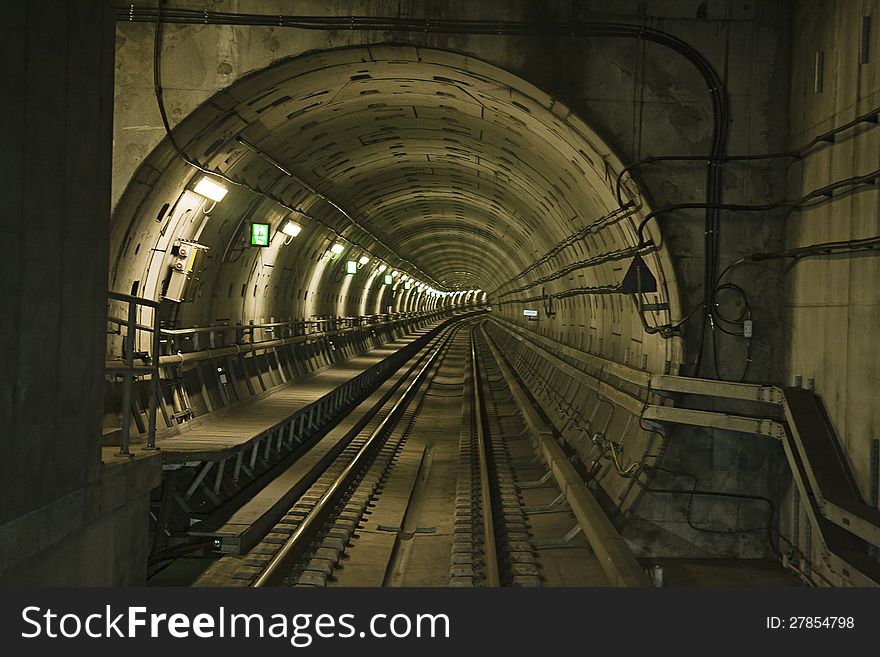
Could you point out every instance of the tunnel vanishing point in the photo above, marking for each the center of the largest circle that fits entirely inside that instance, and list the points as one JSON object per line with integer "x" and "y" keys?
{"x": 559, "y": 293}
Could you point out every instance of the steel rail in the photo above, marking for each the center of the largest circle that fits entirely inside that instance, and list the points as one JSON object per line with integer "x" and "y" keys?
{"x": 302, "y": 536}
{"x": 490, "y": 549}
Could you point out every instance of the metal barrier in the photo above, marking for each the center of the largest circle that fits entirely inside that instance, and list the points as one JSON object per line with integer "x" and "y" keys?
{"x": 175, "y": 346}
{"x": 130, "y": 371}
{"x": 188, "y": 340}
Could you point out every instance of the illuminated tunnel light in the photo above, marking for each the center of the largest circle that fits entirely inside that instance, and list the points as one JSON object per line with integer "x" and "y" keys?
{"x": 394, "y": 273}
{"x": 407, "y": 285}
{"x": 351, "y": 267}
{"x": 382, "y": 267}
{"x": 337, "y": 248}
{"x": 291, "y": 228}
{"x": 363, "y": 259}
{"x": 209, "y": 189}
{"x": 388, "y": 279}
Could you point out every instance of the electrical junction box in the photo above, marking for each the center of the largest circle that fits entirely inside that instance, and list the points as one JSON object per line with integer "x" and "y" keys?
{"x": 183, "y": 262}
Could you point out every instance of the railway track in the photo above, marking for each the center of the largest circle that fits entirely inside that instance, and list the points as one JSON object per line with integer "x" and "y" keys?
{"x": 443, "y": 486}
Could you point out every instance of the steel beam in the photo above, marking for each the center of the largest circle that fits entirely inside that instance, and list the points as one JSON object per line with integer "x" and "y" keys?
{"x": 712, "y": 420}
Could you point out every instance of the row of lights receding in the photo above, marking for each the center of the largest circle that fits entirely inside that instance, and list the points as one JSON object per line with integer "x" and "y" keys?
{"x": 215, "y": 192}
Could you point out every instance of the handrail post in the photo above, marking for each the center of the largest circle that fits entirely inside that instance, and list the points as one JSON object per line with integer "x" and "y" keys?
{"x": 156, "y": 384}
{"x": 128, "y": 377}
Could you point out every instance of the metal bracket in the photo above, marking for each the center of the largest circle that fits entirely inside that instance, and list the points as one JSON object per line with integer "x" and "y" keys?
{"x": 545, "y": 543}
{"x": 539, "y": 483}
{"x": 552, "y": 507}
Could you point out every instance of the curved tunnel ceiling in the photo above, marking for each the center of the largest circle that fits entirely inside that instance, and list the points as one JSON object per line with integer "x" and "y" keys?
{"x": 464, "y": 170}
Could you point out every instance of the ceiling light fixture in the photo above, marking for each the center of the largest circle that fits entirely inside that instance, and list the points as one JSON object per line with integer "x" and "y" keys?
{"x": 291, "y": 228}
{"x": 209, "y": 189}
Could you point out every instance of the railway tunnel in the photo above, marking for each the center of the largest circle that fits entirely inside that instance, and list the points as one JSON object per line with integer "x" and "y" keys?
{"x": 569, "y": 295}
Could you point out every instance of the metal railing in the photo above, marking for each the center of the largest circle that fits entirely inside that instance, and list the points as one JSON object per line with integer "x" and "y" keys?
{"x": 194, "y": 338}
{"x": 130, "y": 371}
{"x": 174, "y": 346}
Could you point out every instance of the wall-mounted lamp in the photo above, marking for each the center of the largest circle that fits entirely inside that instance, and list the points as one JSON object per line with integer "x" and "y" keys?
{"x": 382, "y": 267}
{"x": 364, "y": 259}
{"x": 209, "y": 189}
{"x": 291, "y": 228}
{"x": 351, "y": 267}
{"x": 388, "y": 279}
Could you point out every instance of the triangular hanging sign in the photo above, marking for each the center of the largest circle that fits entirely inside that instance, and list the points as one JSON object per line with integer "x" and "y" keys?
{"x": 638, "y": 278}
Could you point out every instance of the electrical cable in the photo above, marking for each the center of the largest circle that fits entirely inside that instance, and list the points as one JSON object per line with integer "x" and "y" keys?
{"x": 157, "y": 87}
{"x": 634, "y": 470}
{"x": 836, "y": 248}
{"x": 605, "y": 221}
{"x": 513, "y": 28}
{"x": 715, "y": 87}
{"x": 824, "y": 139}
{"x": 666, "y": 331}
{"x": 619, "y": 254}
{"x": 811, "y": 199}
{"x": 695, "y": 491}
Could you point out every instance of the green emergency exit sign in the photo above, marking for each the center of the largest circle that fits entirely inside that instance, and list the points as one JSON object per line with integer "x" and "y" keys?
{"x": 259, "y": 234}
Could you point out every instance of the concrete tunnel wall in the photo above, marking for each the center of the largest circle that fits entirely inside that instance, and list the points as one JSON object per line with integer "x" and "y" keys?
{"x": 461, "y": 168}
{"x": 641, "y": 99}
{"x": 519, "y": 189}
{"x": 832, "y": 304}
{"x": 66, "y": 518}
{"x": 637, "y": 100}
{"x": 458, "y": 166}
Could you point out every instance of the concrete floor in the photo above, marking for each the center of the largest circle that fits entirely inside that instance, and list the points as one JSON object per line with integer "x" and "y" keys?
{"x": 725, "y": 572}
